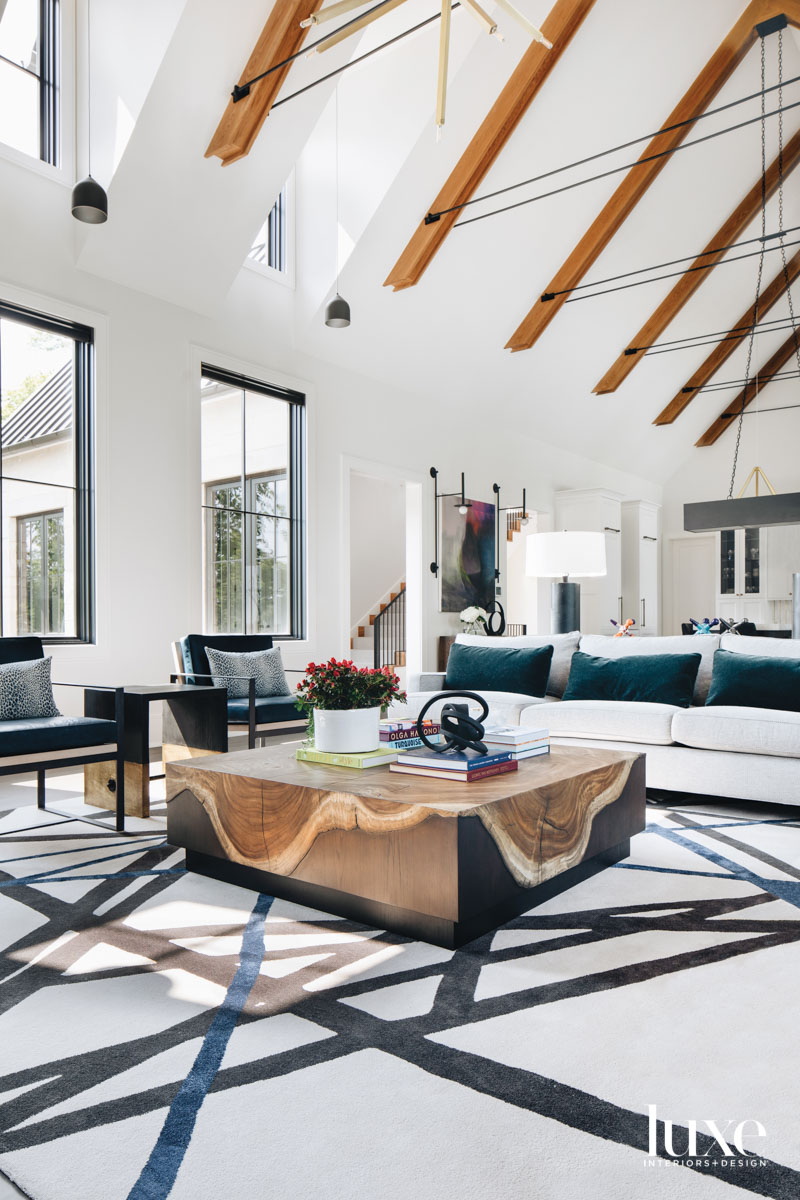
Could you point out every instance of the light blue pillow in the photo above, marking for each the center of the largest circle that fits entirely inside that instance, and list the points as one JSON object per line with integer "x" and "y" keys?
{"x": 265, "y": 666}
{"x": 26, "y": 690}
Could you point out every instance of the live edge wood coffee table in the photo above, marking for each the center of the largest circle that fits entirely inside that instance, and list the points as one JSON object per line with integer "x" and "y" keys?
{"x": 443, "y": 862}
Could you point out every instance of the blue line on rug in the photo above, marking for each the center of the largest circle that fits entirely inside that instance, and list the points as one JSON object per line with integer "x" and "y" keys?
{"x": 95, "y": 862}
{"x": 790, "y": 821}
{"x": 623, "y": 866}
{"x": 32, "y": 880}
{"x": 161, "y": 1169}
{"x": 78, "y": 849}
{"x": 783, "y": 889}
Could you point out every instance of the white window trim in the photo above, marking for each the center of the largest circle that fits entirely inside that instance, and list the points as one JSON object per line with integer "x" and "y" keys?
{"x": 69, "y": 652}
{"x": 284, "y": 278}
{"x": 64, "y": 174}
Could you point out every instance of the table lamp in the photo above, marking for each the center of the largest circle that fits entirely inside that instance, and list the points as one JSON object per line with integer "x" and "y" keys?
{"x": 564, "y": 554}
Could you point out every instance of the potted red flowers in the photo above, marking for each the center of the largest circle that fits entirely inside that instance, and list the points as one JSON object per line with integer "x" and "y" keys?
{"x": 343, "y": 703}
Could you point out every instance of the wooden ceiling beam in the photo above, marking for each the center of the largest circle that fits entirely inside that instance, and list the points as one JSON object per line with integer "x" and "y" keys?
{"x": 731, "y": 340}
{"x": 728, "y": 416}
{"x": 695, "y": 101}
{"x": 537, "y": 62}
{"x": 688, "y": 284}
{"x": 281, "y": 37}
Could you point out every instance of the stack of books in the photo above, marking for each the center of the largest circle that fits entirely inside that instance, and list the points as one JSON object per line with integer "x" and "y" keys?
{"x": 521, "y": 742}
{"x": 367, "y": 758}
{"x": 402, "y": 735}
{"x": 465, "y": 766}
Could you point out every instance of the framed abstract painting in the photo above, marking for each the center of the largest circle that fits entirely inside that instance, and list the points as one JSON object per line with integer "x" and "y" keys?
{"x": 467, "y": 558}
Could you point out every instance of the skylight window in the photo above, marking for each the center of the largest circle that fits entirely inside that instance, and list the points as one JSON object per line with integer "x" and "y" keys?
{"x": 269, "y": 248}
{"x": 271, "y": 252}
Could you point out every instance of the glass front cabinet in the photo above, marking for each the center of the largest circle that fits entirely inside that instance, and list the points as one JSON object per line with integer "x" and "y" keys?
{"x": 740, "y": 573}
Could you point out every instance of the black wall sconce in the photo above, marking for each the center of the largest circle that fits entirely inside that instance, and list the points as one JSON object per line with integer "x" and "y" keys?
{"x": 522, "y": 510}
{"x": 462, "y": 504}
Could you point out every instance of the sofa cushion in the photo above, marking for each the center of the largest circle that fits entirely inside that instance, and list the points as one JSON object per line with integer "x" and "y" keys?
{"x": 234, "y": 671}
{"x": 26, "y": 690}
{"x": 761, "y": 647}
{"x": 41, "y": 734}
{"x": 605, "y": 720}
{"x": 504, "y": 707}
{"x": 740, "y": 730}
{"x": 755, "y": 681}
{"x": 648, "y": 678}
{"x": 269, "y": 709}
{"x": 499, "y": 668}
{"x": 564, "y": 646}
{"x": 193, "y": 649}
{"x": 620, "y": 647}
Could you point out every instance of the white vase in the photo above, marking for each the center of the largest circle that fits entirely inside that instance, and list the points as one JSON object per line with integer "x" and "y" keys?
{"x": 347, "y": 730}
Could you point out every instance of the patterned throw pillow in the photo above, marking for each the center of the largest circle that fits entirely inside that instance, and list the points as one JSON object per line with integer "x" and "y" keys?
{"x": 265, "y": 666}
{"x": 26, "y": 690}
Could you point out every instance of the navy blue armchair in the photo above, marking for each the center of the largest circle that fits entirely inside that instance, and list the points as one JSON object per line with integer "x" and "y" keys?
{"x": 261, "y": 716}
{"x": 42, "y": 743}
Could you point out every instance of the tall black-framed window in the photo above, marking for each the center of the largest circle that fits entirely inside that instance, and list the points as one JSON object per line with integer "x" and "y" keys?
{"x": 253, "y": 453}
{"x": 46, "y": 476}
{"x": 29, "y": 77}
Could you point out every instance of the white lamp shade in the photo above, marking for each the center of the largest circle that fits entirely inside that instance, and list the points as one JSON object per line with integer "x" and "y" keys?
{"x": 566, "y": 553}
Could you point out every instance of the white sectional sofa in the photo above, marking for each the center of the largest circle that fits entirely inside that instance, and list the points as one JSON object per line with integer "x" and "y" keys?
{"x": 733, "y": 752}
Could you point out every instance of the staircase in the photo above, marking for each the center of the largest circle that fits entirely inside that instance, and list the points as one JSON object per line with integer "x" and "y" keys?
{"x": 514, "y": 518}
{"x": 362, "y": 639}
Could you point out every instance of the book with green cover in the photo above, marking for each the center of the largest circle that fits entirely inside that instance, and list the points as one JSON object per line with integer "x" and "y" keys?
{"x": 367, "y": 758}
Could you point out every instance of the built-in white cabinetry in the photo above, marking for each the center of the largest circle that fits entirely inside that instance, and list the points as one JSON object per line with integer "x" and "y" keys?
{"x": 599, "y": 511}
{"x": 754, "y": 574}
{"x": 741, "y": 559}
{"x": 641, "y": 564}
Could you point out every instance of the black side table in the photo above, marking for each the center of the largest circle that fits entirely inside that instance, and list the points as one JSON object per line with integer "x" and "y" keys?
{"x": 195, "y": 722}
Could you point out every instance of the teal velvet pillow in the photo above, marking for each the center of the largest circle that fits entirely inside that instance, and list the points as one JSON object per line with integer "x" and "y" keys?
{"x": 647, "y": 678}
{"x": 753, "y": 681}
{"x": 498, "y": 669}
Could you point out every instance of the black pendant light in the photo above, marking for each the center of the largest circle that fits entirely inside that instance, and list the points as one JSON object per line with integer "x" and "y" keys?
{"x": 337, "y": 310}
{"x": 89, "y": 200}
{"x": 337, "y": 313}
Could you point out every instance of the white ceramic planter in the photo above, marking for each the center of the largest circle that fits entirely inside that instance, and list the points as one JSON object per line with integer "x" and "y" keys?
{"x": 346, "y": 730}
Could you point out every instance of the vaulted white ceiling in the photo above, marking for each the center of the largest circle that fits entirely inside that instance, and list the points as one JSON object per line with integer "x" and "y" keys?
{"x": 182, "y": 224}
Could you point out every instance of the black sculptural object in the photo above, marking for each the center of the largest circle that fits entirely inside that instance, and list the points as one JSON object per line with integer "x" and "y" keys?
{"x": 459, "y": 730}
{"x": 499, "y": 629}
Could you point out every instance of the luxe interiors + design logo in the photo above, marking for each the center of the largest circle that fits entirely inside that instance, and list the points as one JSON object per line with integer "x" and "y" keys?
{"x": 722, "y": 1142}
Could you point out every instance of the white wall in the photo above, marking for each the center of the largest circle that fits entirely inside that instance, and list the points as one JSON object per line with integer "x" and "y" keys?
{"x": 377, "y": 541}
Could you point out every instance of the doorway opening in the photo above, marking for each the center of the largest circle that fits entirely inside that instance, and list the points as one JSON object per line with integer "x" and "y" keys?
{"x": 378, "y": 552}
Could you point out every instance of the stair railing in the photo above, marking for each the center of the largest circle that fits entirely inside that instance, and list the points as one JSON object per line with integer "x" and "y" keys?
{"x": 389, "y": 633}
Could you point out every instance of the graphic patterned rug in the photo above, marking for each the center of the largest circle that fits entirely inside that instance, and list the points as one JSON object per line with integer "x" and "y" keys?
{"x": 162, "y": 1034}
